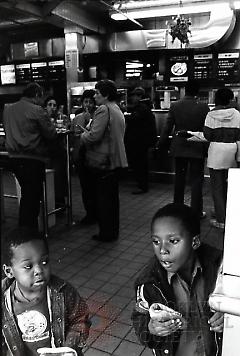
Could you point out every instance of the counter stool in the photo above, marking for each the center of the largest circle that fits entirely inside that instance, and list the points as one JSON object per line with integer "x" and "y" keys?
{"x": 5, "y": 165}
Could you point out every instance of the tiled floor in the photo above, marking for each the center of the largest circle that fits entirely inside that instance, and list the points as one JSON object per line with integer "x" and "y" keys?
{"x": 104, "y": 273}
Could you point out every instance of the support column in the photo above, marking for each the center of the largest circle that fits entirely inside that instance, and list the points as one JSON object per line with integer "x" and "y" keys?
{"x": 73, "y": 54}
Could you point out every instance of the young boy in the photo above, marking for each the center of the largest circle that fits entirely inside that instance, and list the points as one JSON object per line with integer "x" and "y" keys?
{"x": 181, "y": 276}
{"x": 38, "y": 309}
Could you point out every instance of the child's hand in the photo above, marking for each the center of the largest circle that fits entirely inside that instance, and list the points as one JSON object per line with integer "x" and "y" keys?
{"x": 216, "y": 322}
{"x": 167, "y": 324}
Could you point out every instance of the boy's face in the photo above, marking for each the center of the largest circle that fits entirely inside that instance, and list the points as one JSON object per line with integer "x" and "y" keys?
{"x": 30, "y": 267}
{"x": 172, "y": 244}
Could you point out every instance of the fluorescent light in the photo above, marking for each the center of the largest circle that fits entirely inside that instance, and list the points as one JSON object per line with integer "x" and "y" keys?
{"x": 236, "y": 5}
{"x": 171, "y": 10}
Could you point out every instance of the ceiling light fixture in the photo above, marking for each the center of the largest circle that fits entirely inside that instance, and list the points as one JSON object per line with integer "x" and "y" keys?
{"x": 166, "y": 10}
{"x": 121, "y": 14}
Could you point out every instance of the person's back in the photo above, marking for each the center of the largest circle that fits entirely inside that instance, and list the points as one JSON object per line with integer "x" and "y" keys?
{"x": 28, "y": 130}
{"x": 27, "y": 127}
{"x": 187, "y": 114}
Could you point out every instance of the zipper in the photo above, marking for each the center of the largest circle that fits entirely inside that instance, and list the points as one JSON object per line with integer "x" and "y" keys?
{"x": 165, "y": 299}
{"x": 216, "y": 342}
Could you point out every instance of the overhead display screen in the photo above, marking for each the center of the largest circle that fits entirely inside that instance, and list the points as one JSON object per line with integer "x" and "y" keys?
{"x": 56, "y": 70}
{"x": 203, "y": 66}
{"x": 23, "y": 73}
{"x": 39, "y": 71}
{"x": 228, "y": 67}
{"x": 8, "y": 75}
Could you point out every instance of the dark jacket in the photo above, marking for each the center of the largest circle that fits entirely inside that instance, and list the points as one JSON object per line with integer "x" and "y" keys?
{"x": 141, "y": 127}
{"x": 186, "y": 114}
{"x": 70, "y": 324}
{"x": 153, "y": 279}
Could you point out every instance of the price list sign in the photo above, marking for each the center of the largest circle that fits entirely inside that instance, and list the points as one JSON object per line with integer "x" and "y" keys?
{"x": 56, "y": 70}
{"x": 228, "y": 66}
{"x": 23, "y": 73}
{"x": 203, "y": 66}
{"x": 39, "y": 71}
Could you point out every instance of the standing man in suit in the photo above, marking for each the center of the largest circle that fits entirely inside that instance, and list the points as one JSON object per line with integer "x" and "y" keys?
{"x": 187, "y": 114}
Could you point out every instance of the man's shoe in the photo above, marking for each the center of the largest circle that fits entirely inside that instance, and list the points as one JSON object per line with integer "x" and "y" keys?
{"x": 217, "y": 224}
{"x": 140, "y": 191}
{"x": 203, "y": 215}
{"x": 102, "y": 239}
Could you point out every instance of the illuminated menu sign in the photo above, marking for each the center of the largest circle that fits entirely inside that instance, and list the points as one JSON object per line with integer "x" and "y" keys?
{"x": 8, "y": 74}
{"x": 134, "y": 69}
{"x": 178, "y": 68}
{"x": 39, "y": 71}
{"x": 56, "y": 70}
{"x": 228, "y": 67}
{"x": 203, "y": 66}
{"x": 23, "y": 73}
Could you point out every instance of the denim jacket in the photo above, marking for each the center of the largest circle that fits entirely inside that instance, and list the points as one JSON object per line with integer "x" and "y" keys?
{"x": 68, "y": 314}
{"x": 153, "y": 285}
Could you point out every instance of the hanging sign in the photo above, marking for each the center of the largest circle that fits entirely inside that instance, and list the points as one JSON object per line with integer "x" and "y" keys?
{"x": 72, "y": 58}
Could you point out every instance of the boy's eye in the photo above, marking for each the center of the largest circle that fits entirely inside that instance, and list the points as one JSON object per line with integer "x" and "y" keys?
{"x": 174, "y": 241}
{"x": 156, "y": 242}
{"x": 45, "y": 262}
{"x": 27, "y": 266}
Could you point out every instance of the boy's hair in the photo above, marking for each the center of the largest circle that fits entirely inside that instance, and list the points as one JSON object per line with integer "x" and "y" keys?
{"x": 183, "y": 213}
{"x": 15, "y": 238}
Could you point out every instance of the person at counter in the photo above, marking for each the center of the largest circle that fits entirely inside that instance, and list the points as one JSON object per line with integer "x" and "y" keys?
{"x": 222, "y": 130}
{"x": 29, "y": 132}
{"x": 105, "y": 155}
{"x": 140, "y": 135}
{"x": 83, "y": 120}
{"x": 57, "y": 153}
{"x": 187, "y": 114}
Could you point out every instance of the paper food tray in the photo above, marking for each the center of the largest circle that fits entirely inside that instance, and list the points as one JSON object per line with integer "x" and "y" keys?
{"x": 58, "y": 351}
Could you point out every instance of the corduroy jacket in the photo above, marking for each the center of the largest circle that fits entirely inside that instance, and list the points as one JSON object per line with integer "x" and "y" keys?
{"x": 69, "y": 314}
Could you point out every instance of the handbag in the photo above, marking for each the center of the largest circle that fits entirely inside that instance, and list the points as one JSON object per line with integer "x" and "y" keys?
{"x": 98, "y": 156}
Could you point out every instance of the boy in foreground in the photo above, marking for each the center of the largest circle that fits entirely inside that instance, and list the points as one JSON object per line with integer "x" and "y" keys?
{"x": 172, "y": 315}
{"x": 38, "y": 309}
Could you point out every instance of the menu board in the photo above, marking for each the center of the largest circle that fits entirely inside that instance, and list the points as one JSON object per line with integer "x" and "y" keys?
{"x": 39, "y": 71}
{"x": 203, "y": 66}
{"x": 8, "y": 74}
{"x": 56, "y": 70}
{"x": 228, "y": 67}
{"x": 178, "y": 68}
{"x": 23, "y": 73}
